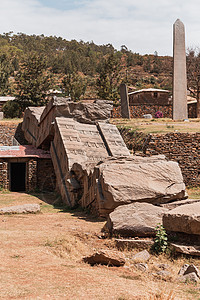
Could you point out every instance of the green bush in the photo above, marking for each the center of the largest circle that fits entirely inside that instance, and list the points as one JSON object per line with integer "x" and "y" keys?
{"x": 11, "y": 109}
{"x": 160, "y": 243}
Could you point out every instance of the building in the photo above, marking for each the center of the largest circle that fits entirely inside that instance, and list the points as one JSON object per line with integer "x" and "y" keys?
{"x": 4, "y": 99}
{"x": 149, "y": 97}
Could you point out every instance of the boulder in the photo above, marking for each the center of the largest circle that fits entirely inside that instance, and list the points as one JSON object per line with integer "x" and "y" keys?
{"x": 105, "y": 257}
{"x": 135, "y": 219}
{"x": 185, "y": 218}
{"x": 21, "y": 209}
{"x": 189, "y": 273}
{"x": 142, "y": 256}
{"x": 132, "y": 179}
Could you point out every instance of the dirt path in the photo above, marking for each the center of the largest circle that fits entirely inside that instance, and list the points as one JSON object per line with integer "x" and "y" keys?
{"x": 41, "y": 259}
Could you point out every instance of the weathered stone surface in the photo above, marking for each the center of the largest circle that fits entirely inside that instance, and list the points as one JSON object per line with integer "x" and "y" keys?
{"x": 125, "y": 180}
{"x": 88, "y": 113}
{"x": 133, "y": 243}
{"x": 135, "y": 219}
{"x": 186, "y": 249}
{"x": 163, "y": 266}
{"x": 141, "y": 267}
{"x": 164, "y": 274}
{"x": 113, "y": 140}
{"x": 179, "y": 72}
{"x": 175, "y": 204}
{"x": 125, "y": 113}
{"x": 141, "y": 257}
{"x": 1, "y": 115}
{"x": 183, "y": 269}
{"x": 189, "y": 273}
{"x": 185, "y": 218}
{"x": 106, "y": 257}
{"x": 20, "y": 209}
{"x": 30, "y": 123}
{"x": 192, "y": 277}
{"x": 192, "y": 269}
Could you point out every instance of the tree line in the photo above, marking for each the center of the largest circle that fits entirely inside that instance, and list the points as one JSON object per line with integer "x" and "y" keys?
{"x": 31, "y": 65}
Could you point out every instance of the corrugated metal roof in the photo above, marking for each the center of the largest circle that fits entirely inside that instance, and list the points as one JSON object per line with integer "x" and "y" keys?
{"x": 23, "y": 151}
{"x": 6, "y": 98}
{"x": 149, "y": 90}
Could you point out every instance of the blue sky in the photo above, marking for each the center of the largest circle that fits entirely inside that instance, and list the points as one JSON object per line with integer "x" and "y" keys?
{"x": 144, "y": 26}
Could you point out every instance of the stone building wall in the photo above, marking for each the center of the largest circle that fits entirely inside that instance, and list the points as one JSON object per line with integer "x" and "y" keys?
{"x": 150, "y": 97}
{"x": 4, "y": 175}
{"x": 46, "y": 178}
{"x": 31, "y": 178}
{"x": 137, "y": 111}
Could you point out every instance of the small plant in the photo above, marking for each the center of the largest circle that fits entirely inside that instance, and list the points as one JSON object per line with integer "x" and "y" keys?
{"x": 160, "y": 243}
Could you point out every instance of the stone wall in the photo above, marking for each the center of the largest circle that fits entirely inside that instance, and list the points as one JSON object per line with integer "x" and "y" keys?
{"x": 137, "y": 111}
{"x": 31, "y": 175}
{"x": 183, "y": 148}
{"x": 4, "y": 175}
{"x": 46, "y": 179}
{"x": 9, "y": 131}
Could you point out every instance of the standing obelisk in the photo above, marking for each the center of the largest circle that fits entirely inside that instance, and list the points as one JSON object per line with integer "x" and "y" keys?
{"x": 179, "y": 72}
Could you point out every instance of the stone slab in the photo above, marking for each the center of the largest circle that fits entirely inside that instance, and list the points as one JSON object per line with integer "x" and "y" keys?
{"x": 185, "y": 218}
{"x": 135, "y": 220}
{"x": 186, "y": 249}
{"x": 125, "y": 112}
{"x": 113, "y": 140}
{"x": 20, "y": 209}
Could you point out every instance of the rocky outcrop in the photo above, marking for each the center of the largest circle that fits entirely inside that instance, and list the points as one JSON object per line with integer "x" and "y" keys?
{"x": 135, "y": 219}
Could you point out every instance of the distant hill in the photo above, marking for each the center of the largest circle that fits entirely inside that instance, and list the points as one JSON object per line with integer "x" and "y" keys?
{"x": 64, "y": 57}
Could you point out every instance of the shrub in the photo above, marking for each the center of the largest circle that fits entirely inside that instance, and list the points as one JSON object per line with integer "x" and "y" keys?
{"x": 158, "y": 114}
{"x": 160, "y": 243}
{"x": 11, "y": 109}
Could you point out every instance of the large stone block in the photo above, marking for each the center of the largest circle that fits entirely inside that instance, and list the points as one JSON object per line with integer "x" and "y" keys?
{"x": 125, "y": 180}
{"x": 185, "y": 218}
{"x": 135, "y": 219}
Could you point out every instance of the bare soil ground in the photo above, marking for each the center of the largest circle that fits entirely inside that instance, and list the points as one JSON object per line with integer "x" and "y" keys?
{"x": 41, "y": 258}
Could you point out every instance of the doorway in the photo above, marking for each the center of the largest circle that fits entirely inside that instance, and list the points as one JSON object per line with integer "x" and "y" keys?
{"x": 18, "y": 177}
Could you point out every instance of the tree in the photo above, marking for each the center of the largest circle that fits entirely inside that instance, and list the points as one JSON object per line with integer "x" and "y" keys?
{"x": 193, "y": 75}
{"x": 74, "y": 86}
{"x": 108, "y": 81}
{"x": 33, "y": 81}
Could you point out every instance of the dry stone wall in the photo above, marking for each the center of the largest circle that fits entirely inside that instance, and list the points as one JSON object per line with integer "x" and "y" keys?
{"x": 183, "y": 148}
{"x": 137, "y": 111}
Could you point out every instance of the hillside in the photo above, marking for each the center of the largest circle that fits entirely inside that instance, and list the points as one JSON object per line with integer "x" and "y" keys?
{"x": 85, "y": 58}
